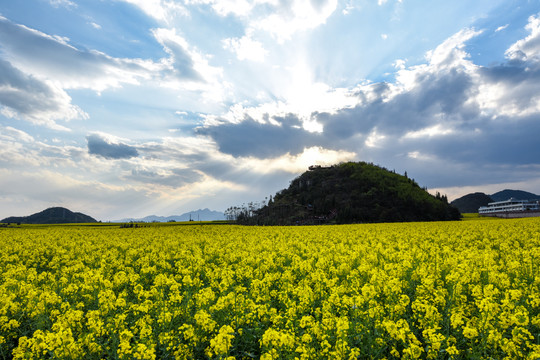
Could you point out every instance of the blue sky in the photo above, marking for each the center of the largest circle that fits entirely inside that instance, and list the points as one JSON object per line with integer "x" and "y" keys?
{"x": 127, "y": 108}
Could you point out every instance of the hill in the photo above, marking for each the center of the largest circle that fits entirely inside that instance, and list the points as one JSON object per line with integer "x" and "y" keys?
{"x": 516, "y": 194}
{"x": 349, "y": 193}
{"x": 471, "y": 202}
{"x": 54, "y": 215}
{"x": 197, "y": 215}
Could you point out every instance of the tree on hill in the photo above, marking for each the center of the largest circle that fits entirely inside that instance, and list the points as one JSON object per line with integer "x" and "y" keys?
{"x": 350, "y": 193}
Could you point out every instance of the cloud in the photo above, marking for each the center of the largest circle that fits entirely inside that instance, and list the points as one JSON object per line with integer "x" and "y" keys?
{"x": 280, "y": 19}
{"x": 95, "y": 25}
{"x": 291, "y": 17}
{"x": 65, "y": 3}
{"x": 501, "y": 28}
{"x": 173, "y": 178}
{"x": 246, "y": 48}
{"x": 109, "y": 148}
{"x": 528, "y": 48}
{"x": 447, "y": 116}
{"x": 37, "y": 69}
{"x": 39, "y": 101}
{"x": 180, "y": 62}
{"x": 227, "y": 7}
{"x": 52, "y": 57}
{"x": 161, "y": 10}
{"x": 261, "y": 140}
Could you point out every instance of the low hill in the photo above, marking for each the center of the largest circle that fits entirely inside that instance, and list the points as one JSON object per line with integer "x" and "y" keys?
{"x": 350, "y": 193}
{"x": 471, "y": 202}
{"x": 516, "y": 194}
{"x": 54, "y": 215}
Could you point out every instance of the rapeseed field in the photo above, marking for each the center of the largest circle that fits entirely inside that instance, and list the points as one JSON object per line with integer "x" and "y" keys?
{"x": 447, "y": 290}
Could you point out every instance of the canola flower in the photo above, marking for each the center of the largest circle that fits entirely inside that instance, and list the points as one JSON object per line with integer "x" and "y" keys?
{"x": 452, "y": 290}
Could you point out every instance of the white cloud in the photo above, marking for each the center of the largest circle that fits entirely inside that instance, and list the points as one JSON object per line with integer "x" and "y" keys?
{"x": 375, "y": 139}
{"x": 281, "y": 19}
{"x": 66, "y": 3}
{"x": 303, "y": 97}
{"x": 95, "y": 26}
{"x": 500, "y": 28}
{"x": 188, "y": 69}
{"x": 246, "y": 48}
{"x": 235, "y": 7}
{"x": 162, "y": 10}
{"x": 448, "y": 56}
{"x": 52, "y": 57}
{"x": 294, "y": 164}
{"x": 296, "y": 16}
{"x": 399, "y": 64}
{"x": 430, "y": 131}
{"x": 38, "y": 69}
{"x": 528, "y": 48}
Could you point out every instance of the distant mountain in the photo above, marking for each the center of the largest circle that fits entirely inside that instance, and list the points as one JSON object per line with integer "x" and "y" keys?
{"x": 471, "y": 202}
{"x": 516, "y": 194}
{"x": 54, "y": 215}
{"x": 197, "y": 215}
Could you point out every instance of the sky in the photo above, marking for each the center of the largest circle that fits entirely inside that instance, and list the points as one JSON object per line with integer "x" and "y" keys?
{"x": 127, "y": 108}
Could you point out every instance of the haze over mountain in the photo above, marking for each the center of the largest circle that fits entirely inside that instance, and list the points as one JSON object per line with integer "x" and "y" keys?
{"x": 516, "y": 194}
{"x": 54, "y": 215}
{"x": 197, "y": 215}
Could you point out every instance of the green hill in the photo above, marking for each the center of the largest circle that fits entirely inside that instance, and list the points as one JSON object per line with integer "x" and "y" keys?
{"x": 350, "y": 193}
{"x": 54, "y": 215}
{"x": 471, "y": 202}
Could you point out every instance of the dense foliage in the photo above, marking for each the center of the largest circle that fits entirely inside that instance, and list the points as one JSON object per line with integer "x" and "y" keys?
{"x": 351, "y": 193}
{"x": 440, "y": 290}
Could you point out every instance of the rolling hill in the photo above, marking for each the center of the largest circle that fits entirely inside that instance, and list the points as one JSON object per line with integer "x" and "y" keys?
{"x": 54, "y": 215}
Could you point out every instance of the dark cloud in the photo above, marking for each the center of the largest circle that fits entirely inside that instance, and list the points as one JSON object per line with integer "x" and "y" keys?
{"x": 33, "y": 99}
{"x": 251, "y": 138}
{"x": 97, "y": 145}
{"x": 182, "y": 63}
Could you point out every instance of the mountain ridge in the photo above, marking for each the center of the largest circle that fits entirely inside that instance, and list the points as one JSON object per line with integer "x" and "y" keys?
{"x": 470, "y": 203}
{"x": 196, "y": 215}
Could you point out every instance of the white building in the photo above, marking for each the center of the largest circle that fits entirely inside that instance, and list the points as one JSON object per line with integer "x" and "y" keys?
{"x": 510, "y": 205}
